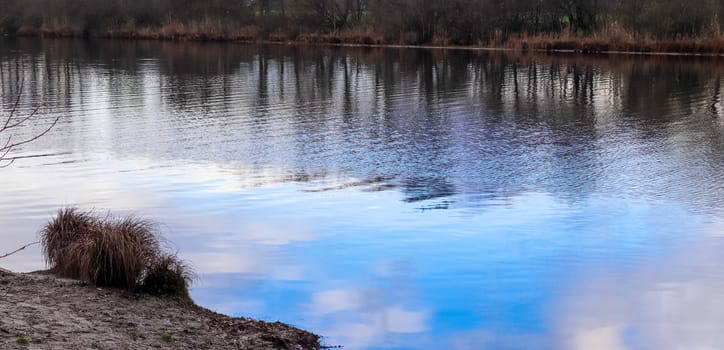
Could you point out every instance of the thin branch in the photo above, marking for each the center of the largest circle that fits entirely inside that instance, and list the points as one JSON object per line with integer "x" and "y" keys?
{"x": 10, "y": 123}
{"x": 13, "y": 145}
{"x": 9, "y": 162}
{"x": 39, "y": 155}
{"x": 2, "y": 159}
{"x": 9, "y": 146}
{"x": 19, "y": 249}
{"x": 6, "y": 147}
{"x": 14, "y": 109}
{"x": 5, "y": 150}
{"x": 21, "y": 121}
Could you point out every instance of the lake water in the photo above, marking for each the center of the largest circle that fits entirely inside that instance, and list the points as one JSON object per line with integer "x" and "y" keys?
{"x": 395, "y": 198}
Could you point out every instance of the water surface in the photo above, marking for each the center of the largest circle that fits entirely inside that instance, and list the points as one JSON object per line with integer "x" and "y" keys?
{"x": 395, "y": 198}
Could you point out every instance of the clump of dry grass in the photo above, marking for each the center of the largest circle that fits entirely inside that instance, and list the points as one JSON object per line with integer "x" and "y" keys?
{"x": 409, "y": 38}
{"x": 65, "y": 230}
{"x": 616, "y": 39}
{"x": 201, "y": 30}
{"x": 122, "y": 252}
{"x": 354, "y": 36}
{"x": 116, "y": 252}
{"x": 278, "y": 36}
{"x": 167, "y": 275}
{"x": 362, "y": 36}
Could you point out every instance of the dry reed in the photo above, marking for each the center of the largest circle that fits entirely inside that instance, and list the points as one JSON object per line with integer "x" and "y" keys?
{"x": 122, "y": 252}
{"x": 167, "y": 275}
{"x": 618, "y": 40}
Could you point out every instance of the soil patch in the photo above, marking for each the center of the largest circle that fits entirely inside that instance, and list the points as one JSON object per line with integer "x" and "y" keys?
{"x": 58, "y": 313}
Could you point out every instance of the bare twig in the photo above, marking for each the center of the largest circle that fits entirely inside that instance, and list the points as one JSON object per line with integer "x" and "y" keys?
{"x": 12, "y": 110}
{"x": 9, "y": 146}
{"x": 19, "y": 249}
{"x": 21, "y": 121}
{"x": 9, "y": 123}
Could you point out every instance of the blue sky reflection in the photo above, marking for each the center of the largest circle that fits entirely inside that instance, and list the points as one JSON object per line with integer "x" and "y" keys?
{"x": 370, "y": 270}
{"x": 368, "y": 280}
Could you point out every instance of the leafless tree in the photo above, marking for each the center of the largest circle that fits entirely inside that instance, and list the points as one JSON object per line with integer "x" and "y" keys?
{"x": 12, "y": 123}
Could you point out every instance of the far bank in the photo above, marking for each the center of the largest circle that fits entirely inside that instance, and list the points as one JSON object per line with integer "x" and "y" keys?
{"x": 593, "y": 44}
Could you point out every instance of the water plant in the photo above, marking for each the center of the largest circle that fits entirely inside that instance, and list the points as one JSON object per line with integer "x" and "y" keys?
{"x": 123, "y": 252}
{"x": 167, "y": 337}
{"x": 22, "y": 340}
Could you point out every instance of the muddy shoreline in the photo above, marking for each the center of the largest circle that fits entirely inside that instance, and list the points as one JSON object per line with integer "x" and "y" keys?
{"x": 41, "y": 311}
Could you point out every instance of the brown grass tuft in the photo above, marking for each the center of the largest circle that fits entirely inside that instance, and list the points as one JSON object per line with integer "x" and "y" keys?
{"x": 361, "y": 36}
{"x": 278, "y": 37}
{"x": 167, "y": 275}
{"x": 112, "y": 251}
{"x": 116, "y": 252}
{"x": 354, "y": 36}
{"x": 63, "y": 231}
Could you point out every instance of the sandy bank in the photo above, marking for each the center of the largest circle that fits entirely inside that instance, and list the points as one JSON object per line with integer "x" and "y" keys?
{"x": 57, "y": 313}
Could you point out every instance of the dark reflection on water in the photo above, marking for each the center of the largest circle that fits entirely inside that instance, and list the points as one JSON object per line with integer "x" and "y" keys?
{"x": 438, "y": 122}
{"x": 268, "y": 161}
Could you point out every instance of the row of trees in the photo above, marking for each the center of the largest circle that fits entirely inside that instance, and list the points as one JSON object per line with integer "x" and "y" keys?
{"x": 416, "y": 21}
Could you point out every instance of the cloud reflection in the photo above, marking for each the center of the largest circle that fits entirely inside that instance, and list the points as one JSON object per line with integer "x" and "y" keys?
{"x": 368, "y": 317}
{"x": 256, "y": 266}
{"x": 332, "y": 301}
{"x": 489, "y": 339}
{"x": 672, "y": 303}
{"x": 229, "y": 232}
{"x": 376, "y": 328}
